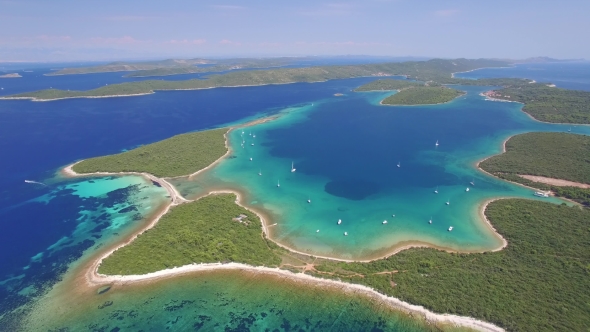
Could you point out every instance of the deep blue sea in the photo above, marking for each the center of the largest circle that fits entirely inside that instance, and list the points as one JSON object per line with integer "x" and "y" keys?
{"x": 47, "y": 227}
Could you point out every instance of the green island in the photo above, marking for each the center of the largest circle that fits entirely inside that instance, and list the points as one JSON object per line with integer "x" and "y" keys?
{"x": 411, "y": 93}
{"x": 388, "y": 85}
{"x": 210, "y": 230}
{"x": 552, "y": 155}
{"x": 179, "y": 155}
{"x": 419, "y": 70}
{"x": 422, "y": 95}
{"x": 549, "y": 103}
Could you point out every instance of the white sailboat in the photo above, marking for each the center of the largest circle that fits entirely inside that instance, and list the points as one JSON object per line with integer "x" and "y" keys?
{"x": 250, "y": 158}
{"x": 317, "y": 231}
{"x": 472, "y": 182}
{"x": 430, "y": 221}
{"x": 308, "y": 200}
{"x": 436, "y": 190}
{"x": 384, "y": 222}
{"x": 449, "y": 202}
{"x": 436, "y": 144}
{"x": 450, "y": 228}
{"x": 293, "y": 167}
{"x": 345, "y": 233}
{"x": 467, "y": 189}
{"x": 399, "y": 164}
{"x": 339, "y": 221}
{"x": 278, "y": 183}
{"x": 260, "y": 172}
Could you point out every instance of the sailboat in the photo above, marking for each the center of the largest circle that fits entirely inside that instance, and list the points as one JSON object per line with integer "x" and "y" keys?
{"x": 569, "y": 130}
{"x": 250, "y": 158}
{"x": 436, "y": 144}
{"x": 254, "y": 136}
{"x": 345, "y": 233}
{"x": 278, "y": 183}
{"x": 449, "y": 202}
{"x": 384, "y": 222}
{"x": 472, "y": 182}
{"x": 309, "y": 200}
{"x": 430, "y": 221}
{"x": 260, "y": 172}
{"x": 317, "y": 231}
{"x": 467, "y": 189}
{"x": 339, "y": 221}
{"x": 450, "y": 228}
{"x": 293, "y": 167}
{"x": 399, "y": 164}
{"x": 436, "y": 190}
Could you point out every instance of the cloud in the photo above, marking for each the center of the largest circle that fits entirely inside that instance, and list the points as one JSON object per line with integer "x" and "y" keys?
{"x": 227, "y": 7}
{"x": 446, "y": 12}
{"x": 125, "y": 40}
{"x": 131, "y": 18}
{"x": 187, "y": 42}
{"x": 229, "y": 42}
{"x": 330, "y": 9}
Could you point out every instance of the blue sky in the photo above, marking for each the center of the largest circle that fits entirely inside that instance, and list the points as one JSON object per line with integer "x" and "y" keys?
{"x": 65, "y": 30}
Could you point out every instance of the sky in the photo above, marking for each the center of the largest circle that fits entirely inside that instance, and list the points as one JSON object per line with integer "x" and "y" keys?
{"x": 74, "y": 30}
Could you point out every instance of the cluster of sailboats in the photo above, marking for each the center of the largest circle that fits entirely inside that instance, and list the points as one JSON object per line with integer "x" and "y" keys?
{"x": 384, "y": 222}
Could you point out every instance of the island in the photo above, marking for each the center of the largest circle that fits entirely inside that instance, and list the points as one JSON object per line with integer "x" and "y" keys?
{"x": 419, "y": 70}
{"x": 412, "y": 93}
{"x": 11, "y": 75}
{"x": 557, "y": 162}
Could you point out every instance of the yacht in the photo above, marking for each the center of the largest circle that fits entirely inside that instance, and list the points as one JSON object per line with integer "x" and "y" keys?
{"x": 260, "y": 172}
{"x": 339, "y": 221}
{"x": 345, "y": 233}
{"x": 541, "y": 194}
{"x": 293, "y": 167}
{"x": 254, "y": 136}
{"x": 393, "y": 215}
{"x": 450, "y": 228}
{"x": 309, "y": 201}
{"x": 472, "y": 182}
{"x": 436, "y": 144}
{"x": 278, "y": 183}
{"x": 384, "y": 222}
{"x": 250, "y": 158}
{"x": 399, "y": 164}
{"x": 317, "y": 231}
{"x": 436, "y": 190}
{"x": 430, "y": 221}
{"x": 467, "y": 189}
{"x": 252, "y": 144}
{"x": 449, "y": 202}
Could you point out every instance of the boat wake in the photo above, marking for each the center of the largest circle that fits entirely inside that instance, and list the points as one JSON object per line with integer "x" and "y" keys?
{"x": 35, "y": 182}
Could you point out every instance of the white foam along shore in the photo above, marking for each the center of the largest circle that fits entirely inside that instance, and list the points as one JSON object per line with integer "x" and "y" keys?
{"x": 96, "y": 279}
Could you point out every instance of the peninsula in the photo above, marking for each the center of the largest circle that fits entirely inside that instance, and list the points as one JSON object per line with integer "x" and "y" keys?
{"x": 176, "y": 156}
{"x": 543, "y": 161}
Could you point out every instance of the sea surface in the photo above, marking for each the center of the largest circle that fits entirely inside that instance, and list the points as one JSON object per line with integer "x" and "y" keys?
{"x": 345, "y": 150}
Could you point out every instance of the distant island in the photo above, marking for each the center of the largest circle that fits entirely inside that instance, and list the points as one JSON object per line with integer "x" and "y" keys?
{"x": 542, "y": 101}
{"x": 437, "y": 70}
{"x": 12, "y": 75}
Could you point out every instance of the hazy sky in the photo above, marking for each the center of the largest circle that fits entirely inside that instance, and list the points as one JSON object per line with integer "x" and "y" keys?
{"x": 66, "y": 30}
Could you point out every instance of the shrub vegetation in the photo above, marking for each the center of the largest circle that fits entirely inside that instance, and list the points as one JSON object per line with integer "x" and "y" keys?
{"x": 179, "y": 155}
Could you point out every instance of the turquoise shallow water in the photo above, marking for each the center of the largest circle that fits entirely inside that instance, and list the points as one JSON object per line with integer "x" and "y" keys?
{"x": 346, "y": 151}
{"x": 231, "y": 301}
